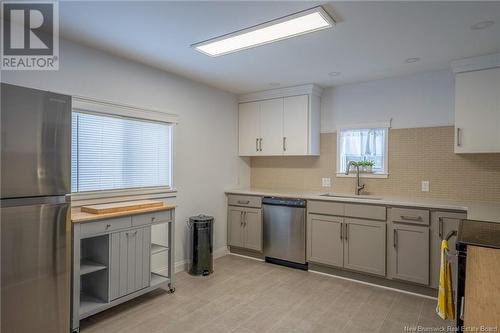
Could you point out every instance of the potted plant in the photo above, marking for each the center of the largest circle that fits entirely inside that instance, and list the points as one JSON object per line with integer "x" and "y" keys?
{"x": 366, "y": 166}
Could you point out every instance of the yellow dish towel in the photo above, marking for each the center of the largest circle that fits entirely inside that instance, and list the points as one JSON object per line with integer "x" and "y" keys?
{"x": 446, "y": 306}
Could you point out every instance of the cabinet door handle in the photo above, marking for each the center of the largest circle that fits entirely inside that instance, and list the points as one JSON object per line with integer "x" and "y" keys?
{"x": 241, "y": 219}
{"x": 440, "y": 225}
{"x": 284, "y": 143}
{"x": 346, "y": 235}
{"x": 395, "y": 238}
{"x": 244, "y": 219}
{"x": 411, "y": 218}
{"x": 260, "y": 144}
{"x": 459, "y": 136}
{"x": 256, "y": 144}
{"x": 341, "y": 230}
{"x": 462, "y": 307}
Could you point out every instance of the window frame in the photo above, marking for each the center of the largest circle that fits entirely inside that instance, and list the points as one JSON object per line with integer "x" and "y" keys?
{"x": 110, "y": 109}
{"x": 385, "y": 127}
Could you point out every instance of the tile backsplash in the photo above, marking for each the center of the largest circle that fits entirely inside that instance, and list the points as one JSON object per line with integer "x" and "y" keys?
{"x": 415, "y": 154}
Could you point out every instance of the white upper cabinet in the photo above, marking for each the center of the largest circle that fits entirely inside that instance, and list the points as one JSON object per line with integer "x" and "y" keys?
{"x": 477, "y": 111}
{"x": 295, "y": 125}
{"x": 271, "y": 127}
{"x": 280, "y": 122}
{"x": 249, "y": 128}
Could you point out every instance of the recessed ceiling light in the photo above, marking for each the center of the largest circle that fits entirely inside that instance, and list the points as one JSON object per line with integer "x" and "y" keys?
{"x": 482, "y": 25}
{"x": 334, "y": 73}
{"x": 410, "y": 60}
{"x": 307, "y": 21}
{"x": 274, "y": 84}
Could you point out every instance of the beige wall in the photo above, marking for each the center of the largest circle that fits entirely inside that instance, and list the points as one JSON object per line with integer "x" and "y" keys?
{"x": 415, "y": 154}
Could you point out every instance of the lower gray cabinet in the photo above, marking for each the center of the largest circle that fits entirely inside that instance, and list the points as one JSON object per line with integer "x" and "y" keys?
{"x": 252, "y": 223}
{"x": 354, "y": 244}
{"x": 130, "y": 261}
{"x": 245, "y": 227}
{"x": 324, "y": 240}
{"x": 235, "y": 226}
{"x": 365, "y": 246}
{"x": 409, "y": 253}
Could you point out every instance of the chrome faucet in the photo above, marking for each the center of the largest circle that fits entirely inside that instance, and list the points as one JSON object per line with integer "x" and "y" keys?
{"x": 359, "y": 187}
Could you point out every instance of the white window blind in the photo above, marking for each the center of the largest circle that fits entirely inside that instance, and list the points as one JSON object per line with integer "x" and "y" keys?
{"x": 110, "y": 153}
{"x": 362, "y": 144}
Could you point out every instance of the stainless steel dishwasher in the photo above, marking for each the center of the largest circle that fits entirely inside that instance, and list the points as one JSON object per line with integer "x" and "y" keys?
{"x": 285, "y": 231}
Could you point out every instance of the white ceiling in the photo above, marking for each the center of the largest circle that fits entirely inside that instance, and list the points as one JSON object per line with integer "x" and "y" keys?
{"x": 371, "y": 39}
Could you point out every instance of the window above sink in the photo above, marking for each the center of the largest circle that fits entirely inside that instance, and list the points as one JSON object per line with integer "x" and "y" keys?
{"x": 363, "y": 143}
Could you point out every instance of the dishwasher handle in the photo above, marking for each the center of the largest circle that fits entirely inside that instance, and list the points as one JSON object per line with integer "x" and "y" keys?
{"x": 274, "y": 201}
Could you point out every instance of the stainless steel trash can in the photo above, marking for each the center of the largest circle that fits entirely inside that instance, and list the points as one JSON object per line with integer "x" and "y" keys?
{"x": 201, "y": 230}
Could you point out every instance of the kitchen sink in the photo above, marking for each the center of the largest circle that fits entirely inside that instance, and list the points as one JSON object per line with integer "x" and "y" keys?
{"x": 361, "y": 196}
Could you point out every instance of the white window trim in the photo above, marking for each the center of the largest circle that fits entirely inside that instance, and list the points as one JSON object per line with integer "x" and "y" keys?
{"x": 386, "y": 126}
{"x": 106, "y": 107}
{"x": 90, "y": 105}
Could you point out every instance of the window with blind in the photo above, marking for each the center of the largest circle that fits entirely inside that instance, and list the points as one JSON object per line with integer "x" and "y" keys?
{"x": 362, "y": 144}
{"x": 112, "y": 153}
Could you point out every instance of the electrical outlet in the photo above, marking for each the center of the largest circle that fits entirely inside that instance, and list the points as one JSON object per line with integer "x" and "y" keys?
{"x": 326, "y": 182}
{"x": 425, "y": 186}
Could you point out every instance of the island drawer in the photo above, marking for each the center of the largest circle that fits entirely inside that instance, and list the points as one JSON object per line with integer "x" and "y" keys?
{"x": 244, "y": 200}
{"x": 410, "y": 215}
{"x": 152, "y": 218}
{"x": 104, "y": 226}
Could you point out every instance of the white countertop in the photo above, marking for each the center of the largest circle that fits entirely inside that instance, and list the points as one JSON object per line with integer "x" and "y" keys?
{"x": 481, "y": 211}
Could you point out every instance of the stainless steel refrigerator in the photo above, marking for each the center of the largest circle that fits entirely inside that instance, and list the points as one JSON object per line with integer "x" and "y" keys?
{"x": 35, "y": 223}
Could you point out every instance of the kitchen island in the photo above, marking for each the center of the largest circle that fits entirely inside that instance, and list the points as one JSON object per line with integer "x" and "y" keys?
{"x": 112, "y": 255}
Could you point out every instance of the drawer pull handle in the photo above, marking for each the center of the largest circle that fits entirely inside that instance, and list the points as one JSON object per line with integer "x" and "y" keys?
{"x": 243, "y": 202}
{"x": 108, "y": 226}
{"x": 462, "y": 307}
{"x": 411, "y": 218}
{"x": 131, "y": 233}
{"x": 153, "y": 218}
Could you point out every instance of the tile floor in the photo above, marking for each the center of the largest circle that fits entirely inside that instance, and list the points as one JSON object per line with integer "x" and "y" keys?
{"x": 245, "y": 295}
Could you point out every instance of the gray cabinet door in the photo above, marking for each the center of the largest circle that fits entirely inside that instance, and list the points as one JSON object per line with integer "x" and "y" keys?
{"x": 235, "y": 226}
{"x": 365, "y": 246}
{"x": 252, "y": 223}
{"x": 324, "y": 240}
{"x": 130, "y": 261}
{"x": 441, "y": 225}
{"x": 409, "y": 253}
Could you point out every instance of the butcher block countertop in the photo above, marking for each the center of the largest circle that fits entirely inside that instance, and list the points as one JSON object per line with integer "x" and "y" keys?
{"x": 77, "y": 216}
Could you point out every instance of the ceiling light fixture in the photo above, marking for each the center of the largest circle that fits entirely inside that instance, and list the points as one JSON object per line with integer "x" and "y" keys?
{"x": 300, "y": 23}
{"x": 410, "y": 60}
{"x": 334, "y": 73}
{"x": 482, "y": 25}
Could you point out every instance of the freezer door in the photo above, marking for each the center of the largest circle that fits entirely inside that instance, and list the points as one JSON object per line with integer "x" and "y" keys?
{"x": 36, "y": 142}
{"x": 35, "y": 276}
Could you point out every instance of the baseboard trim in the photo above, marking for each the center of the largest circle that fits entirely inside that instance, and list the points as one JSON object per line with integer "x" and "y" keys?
{"x": 373, "y": 284}
{"x": 244, "y": 256}
{"x": 183, "y": 265}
